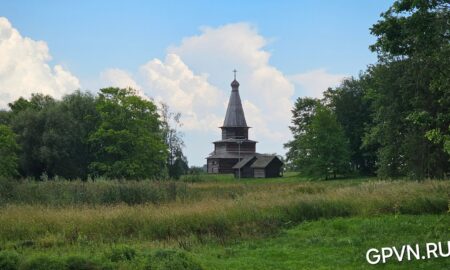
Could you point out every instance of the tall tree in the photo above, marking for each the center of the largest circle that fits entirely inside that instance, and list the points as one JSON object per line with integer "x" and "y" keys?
{"x": 410, "y": 93}
{"x": 54, "y": 134}
{"x": 302, "y": 114}
{"x": 28, "y": 122}
{"x": 319, "y": 148}
{"x": 128, "y": 142}
{"x": 170, "y": 124}
{"x": 8, "y": 152}
{"x": 352, "y": 109}
{"x": 5, "y": 117}
{"x": 65, "y": 147}
{"x": 326, "y": 146}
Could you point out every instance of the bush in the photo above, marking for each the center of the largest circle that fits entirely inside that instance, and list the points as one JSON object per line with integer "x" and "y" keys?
{"x": 82, "y": 263}
{"x": 9, "y": 260}
{"x": 170, "y": 259}
{"x": 122, "y": 253}
{"x": 7, "y": 186}
{"x": 42, "y": 262}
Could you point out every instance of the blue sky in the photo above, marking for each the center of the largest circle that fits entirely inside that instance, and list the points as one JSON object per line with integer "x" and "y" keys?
{"x": 179, "y": 52}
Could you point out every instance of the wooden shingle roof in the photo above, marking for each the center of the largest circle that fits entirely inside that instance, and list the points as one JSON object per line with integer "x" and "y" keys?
{"x": 244, "y": 162}
{"x": 262, "y": 161}
{"x": 235, "y": 113}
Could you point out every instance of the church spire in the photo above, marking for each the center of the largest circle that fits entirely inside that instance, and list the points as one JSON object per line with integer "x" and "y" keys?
{"x": 235, "y": 113}
{"x": 235, "y": 85}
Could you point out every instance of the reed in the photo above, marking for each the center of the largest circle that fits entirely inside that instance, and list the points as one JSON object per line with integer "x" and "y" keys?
{"x": 250, "y": 211}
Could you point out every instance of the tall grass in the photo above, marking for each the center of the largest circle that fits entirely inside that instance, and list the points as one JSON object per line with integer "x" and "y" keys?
{"x": 64, "y": 193}
{"x": 252, "y": 210}
{"x": 107, "y": 192}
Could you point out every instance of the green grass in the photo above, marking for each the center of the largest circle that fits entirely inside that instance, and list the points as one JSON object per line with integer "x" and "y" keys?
{"x": 339, "y": 243}
{"x": 221, "y": 211}
{"x": 99, "y": 192}
{"x": 218, "y": 221}
{"x": 288, "y": 177}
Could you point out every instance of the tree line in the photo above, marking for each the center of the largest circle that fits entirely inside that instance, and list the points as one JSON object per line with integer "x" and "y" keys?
{"x": 115, "y": 134}
{"x": 393, "y": 120}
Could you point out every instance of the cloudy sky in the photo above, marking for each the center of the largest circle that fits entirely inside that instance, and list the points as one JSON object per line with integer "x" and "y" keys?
{"x": 183, "y": 53}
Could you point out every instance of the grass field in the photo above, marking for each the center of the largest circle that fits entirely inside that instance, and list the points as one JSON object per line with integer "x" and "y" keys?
{"x": 215, "y": 222}
{"x": 339, "y": 243}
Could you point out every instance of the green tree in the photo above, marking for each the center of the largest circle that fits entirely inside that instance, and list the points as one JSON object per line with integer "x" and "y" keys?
{"x": 179, "y": 167}
{"x": 409, "y": 89}
{"x": 352, "y": 109}
{"x": 326, "y": 146}
{"x": 437, "y": 137}
{"x": 28, "y": 122}
{"x": 320, "y": 148}
{"x": 302, "y": 114}
{"x": 8, "y": 152}
{"x": 5, "y": 117}
{"x": 65, "y": 149}
{"x": 128, "y": 142}
{"x": 54, "y": 134}
{"x": 176, "y": 161}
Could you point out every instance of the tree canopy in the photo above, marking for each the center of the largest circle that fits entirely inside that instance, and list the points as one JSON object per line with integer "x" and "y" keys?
{"x": 396, "y": 115}
{"x": 128, "y": 142}
{"x": 320, "y": 148}
{"x": 393, "y": 120}
{"x": 8, "y": 152}
{"x": 116, "y": 134}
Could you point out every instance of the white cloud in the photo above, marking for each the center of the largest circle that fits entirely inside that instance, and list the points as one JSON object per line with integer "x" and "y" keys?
{"x": 256, "y": 118}
{"x": 315, "y": 82}
{"x": 174, "y": 83}
{"x": 194, "y": 79}
{"x": 115, "y": 77}
{"x": 235, "y": 45}
{"x": 118, "y": 78}
{"x": 217, "y": 51}
{"x": 24, "y": 68}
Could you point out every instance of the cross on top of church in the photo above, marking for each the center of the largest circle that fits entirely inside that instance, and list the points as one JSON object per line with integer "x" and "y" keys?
{"x": 234, "y": 71}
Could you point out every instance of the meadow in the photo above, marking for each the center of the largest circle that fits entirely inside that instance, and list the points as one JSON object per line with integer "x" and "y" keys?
{"x": 216, "y": 222}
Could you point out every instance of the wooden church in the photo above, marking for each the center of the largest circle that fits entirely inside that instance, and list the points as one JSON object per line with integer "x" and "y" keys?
{"x": 235, "y": 152}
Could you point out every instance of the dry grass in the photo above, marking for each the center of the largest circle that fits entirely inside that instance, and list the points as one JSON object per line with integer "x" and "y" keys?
{"x": 219, "y": 210}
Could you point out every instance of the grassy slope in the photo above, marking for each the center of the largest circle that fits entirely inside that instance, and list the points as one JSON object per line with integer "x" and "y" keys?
{"x": 339, "y": 243}
{"x": 203, "y": 215}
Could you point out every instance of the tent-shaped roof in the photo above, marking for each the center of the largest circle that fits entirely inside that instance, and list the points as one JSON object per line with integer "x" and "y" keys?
{"x": 235, "y": 113}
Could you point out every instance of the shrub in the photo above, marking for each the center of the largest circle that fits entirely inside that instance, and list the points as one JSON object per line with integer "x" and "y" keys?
{"x": 122, "y": 253}
{"x": 50, "y": 240}
{"x": 82, "y": 263}
{"x": 170, "y": 259}
{"x": 7, "y": 187}
{"x": 25, "y": 244}
{"x": 42, "y": 262}
{"x": 9, "y": 260}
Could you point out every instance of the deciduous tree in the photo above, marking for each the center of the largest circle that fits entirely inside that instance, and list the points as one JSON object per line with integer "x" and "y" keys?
{"x": 8, "y": 152}
{"x": 128, "y": 142}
